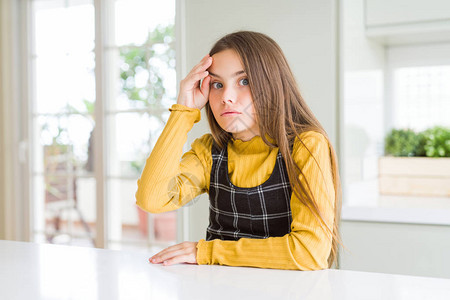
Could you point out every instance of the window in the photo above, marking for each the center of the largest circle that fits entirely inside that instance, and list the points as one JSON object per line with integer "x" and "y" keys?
{"x": 420, "y": 89}
{"x": 388, "y": 86}
{"x": 138, "y": 87}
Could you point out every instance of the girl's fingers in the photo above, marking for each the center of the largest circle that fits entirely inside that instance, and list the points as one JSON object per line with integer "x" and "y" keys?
{"x": 203, "y": 65}
{"x": 167, "y": 256}
{"x": 205, "y": 86}
{"x": 162, "y": 252}
{"x": 177, "y": 260}
{"x": 168, "y": 249}
{"x": 183, "y": 252}
{"x": 193, "y": 80}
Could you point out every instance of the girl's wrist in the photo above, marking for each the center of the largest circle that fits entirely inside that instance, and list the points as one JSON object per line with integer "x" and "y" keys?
{"x": 182, "y": 107}
{"x": 185, "y": 104}
{"x": 188, "y": 105}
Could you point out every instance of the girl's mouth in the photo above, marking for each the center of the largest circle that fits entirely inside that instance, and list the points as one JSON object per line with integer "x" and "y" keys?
{"x": 230, "y": 113}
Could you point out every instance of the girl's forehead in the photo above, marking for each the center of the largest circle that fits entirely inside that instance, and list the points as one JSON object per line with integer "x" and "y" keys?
{"x": 226, "y": 63}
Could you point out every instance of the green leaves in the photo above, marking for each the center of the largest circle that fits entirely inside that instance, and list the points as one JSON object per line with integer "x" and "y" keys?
{"x": 402, "y": 142}
{"x": 434, "y": 142}
{"x": 142, "y": 75}
{"x": 437, "y": 142}
{"x": 141, "y": 69}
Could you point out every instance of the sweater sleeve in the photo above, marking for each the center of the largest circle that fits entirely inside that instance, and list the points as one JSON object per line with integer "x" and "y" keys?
{"x": 167, "y": 183}
{"x": 308, "y": 245}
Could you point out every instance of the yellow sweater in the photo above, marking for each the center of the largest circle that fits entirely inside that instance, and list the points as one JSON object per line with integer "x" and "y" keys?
{"x": 167, "y": 184}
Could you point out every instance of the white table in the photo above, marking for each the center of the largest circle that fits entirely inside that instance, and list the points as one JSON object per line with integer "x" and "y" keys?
{"x": 40, "y": 271}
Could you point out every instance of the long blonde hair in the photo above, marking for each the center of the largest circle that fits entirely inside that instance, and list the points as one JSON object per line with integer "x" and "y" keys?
{"x": 282, "y": 114}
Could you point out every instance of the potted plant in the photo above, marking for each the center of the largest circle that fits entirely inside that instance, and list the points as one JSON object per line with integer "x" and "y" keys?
{"x": 416, "y": 164}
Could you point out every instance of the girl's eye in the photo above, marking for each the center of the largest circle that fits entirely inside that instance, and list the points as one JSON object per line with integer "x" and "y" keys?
{"x": 217, "y": 85}
{"x": 243, "y": 81}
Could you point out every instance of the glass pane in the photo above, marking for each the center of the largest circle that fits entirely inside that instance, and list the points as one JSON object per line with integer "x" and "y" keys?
{"x": 64, "y": 205}
{"x": 62, "y": 26}
{"x": 147, "y": 77}
{"x": 363, "y": 131}
{"x": 129, "y": 226}
{"x": 65, "y": 83}
{"x": 64, "y": 209}
{"x": 131, "y": 137}
{"x": 142, "y": 83}
{"x": 64, "y": 58}
{"x": 63, "y": 190}
{"x": 135, "y": 18}
{"x": 422, "y": 97}
{"x": 70, "y": 135}
{"x": 144, "y": 56}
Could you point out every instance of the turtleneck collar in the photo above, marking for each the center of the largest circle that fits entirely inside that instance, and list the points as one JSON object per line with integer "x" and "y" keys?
{"x": 254, "y": 145}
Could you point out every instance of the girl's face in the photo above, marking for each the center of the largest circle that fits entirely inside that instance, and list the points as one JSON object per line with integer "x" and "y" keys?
{"x": 230, "y": 98}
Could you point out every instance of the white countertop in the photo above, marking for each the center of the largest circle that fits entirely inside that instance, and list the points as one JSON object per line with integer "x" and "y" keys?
{"x": 42, "y": 271}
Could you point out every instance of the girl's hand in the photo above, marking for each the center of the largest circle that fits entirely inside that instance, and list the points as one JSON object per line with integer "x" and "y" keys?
{"x": 191, "y": 93}
{"x": 185, "y": 252}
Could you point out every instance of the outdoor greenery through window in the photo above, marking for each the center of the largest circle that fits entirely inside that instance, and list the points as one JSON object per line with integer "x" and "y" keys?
{"x": 141, "y": 86}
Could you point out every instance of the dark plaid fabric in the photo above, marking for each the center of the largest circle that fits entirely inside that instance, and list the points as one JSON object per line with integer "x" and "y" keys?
{"x": 258, "y": 212}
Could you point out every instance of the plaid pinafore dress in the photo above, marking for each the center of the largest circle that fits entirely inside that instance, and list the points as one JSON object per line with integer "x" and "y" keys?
{"x": 258, "y": 212}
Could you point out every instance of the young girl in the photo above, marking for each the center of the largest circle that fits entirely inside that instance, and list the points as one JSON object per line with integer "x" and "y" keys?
{"x": 268, "y": 165}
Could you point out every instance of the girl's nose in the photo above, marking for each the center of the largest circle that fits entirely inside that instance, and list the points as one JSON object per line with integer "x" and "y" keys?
{"x": 225, "y": 100}
{"x": 228, "y": 96}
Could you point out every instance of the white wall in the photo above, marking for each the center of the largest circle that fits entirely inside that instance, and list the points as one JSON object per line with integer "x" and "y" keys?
{"x": 306, "y": 31}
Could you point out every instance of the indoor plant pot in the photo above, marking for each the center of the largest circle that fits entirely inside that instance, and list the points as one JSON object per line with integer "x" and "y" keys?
{"x": 414, "y": 176}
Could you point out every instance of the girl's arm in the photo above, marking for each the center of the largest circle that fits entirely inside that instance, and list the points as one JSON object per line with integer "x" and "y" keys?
{"x": 307, "y": 246}
{"x": 166, "y": 182}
